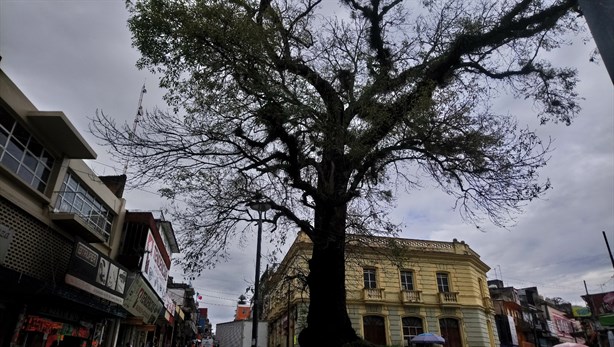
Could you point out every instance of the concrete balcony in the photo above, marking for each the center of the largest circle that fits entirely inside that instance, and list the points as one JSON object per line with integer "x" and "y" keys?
{"x": 448, "y": 298}
{"x": 373, "y": 294}
{"x": 81, "y": 225}
{"x": 411, "y": 296}
{"x": 82, "y": 214}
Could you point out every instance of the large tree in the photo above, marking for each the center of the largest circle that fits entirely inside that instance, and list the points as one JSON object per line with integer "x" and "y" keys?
{"x": 323, "y": 111}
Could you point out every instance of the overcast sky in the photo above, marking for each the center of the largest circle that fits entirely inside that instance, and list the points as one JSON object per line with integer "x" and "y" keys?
{"x": 76, "y": 57}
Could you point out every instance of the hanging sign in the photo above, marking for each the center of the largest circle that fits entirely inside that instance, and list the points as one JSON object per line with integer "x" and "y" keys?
{"x": 142, "y": 302}
{"x": 96, "y": 273}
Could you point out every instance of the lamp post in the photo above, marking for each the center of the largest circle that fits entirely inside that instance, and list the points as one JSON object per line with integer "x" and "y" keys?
{"x": 288, "y": 280}
{"x": 260, "y": 207}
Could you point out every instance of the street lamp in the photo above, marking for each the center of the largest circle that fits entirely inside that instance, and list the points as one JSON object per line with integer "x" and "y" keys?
{"x": 289, "y": 279}
{"x": 260, "y": 207}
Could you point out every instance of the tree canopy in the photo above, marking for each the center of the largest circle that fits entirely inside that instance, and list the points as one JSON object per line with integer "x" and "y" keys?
{"x": 324, "y": 111}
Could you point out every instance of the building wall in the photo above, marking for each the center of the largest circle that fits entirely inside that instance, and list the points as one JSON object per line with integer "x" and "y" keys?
{"x": 35, "y": 258}
{"x": 467, "y": 277}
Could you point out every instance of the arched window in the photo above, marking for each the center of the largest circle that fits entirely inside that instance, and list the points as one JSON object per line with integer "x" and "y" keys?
{"x": 412, "y": 326}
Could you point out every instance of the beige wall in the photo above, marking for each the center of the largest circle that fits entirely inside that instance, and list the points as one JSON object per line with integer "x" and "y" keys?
{"x": 467, "y": 275}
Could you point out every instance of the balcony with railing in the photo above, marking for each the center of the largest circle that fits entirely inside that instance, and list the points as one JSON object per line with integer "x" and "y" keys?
{"x": 411, "y": 296}
{"x": 448, "y": 298}
{"x": 79, "y": 214}
{"x": 373, "y": 294}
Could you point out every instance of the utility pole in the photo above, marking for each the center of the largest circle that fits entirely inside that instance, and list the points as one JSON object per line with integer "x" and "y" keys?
{"x": 260, "y": 207}
{"x": 608, "y": 246}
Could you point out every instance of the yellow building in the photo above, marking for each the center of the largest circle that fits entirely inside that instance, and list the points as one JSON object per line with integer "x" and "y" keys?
{"x": 396, "y": 289}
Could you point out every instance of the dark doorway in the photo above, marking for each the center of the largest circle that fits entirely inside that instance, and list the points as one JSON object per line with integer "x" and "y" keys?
{"x": 450, "y": 330}
{"x": 375, "y": 329}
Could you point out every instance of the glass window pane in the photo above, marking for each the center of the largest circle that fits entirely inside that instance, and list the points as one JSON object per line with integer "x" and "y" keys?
{"x": 45, "y": 175}
{"x": 35, "y": 148}
{"x": 64, "y": 206}
{"x": 407, "y": 281}
{"x": 10, "y": 162}
{"x": 72, "y": 184}
{"x": 21, "y": 134}
{"x": 16, "y": 149}
{"x": 6, "y": 120}
{"x": 87, "y": 209}
{"x": 39, "y": 185}
{"x": 70, "y": 197}
{"x": 108, "y": 226}
{"x": 47, "y": 159}
{"x": 40, "y": 169}
{"x": 25, "y": 174}
{"x": 442, "y": 282}
{"x": 81, "y": 190}
{"x": 78, "y": 203}
{"x": 87, "y": 205}
{"x": 30, "y": 161}
{"x": 369, "y": 278}
{"x": 3, "y": 137}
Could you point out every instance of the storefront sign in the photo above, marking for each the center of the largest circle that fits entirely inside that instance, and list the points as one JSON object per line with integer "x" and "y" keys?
{"x": 154, "y": 268}
{"x": 97, "y": 274}
{"x": 580, "y": 311}
{"x": 6, "y": 236}
{"x": 141, "y": 301}
{"x": 180, "y": 312}
{"x": 170, "y": 318}
{"x": 601, "y": 303}
{"x": 169, "y": 305}
{"x": 47, "y": 326}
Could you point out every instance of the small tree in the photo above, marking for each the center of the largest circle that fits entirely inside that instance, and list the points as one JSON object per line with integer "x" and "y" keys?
{"x": 322, "y": 116}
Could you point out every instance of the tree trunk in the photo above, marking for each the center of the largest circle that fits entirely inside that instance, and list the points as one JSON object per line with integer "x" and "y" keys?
{"x": 328, "y": 323}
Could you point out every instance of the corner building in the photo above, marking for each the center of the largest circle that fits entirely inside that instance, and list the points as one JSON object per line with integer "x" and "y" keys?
{"x": 396, "y": 289}
{"x": 59, "y": 229}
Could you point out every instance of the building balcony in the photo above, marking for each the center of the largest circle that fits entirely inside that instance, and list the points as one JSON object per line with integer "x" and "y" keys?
{"x": 448, "y": 298}
{"x": 87, "y": 223}
{"x": 373, "y": 294}
{"x": 79, "y": 225}
{"x": 411, "y": 296}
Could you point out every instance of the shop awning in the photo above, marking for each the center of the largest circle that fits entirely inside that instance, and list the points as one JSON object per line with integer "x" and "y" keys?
{"x": 607, "y": 320}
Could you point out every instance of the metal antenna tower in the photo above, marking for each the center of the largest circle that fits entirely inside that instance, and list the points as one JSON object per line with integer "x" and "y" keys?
{"x": 139, "y": 114}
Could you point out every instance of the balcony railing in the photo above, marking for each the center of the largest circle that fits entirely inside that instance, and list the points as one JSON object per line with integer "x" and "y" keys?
{"x": 373, "y": 294}
{"x": 90, "y": 214}
{"x": 448, "y": 298}
{"x": 411, "y": 296}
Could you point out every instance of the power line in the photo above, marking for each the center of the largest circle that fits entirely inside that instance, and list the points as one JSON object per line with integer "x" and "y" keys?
{"x": 218, "y": 297}
{"x": 208, "y": 303}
